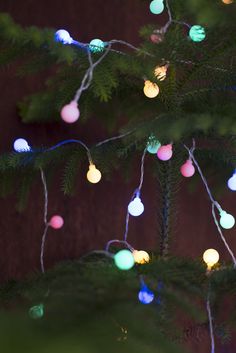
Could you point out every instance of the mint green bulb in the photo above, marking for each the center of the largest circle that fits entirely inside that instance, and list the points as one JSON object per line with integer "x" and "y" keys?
{"x": 227, "y": 221}
{"x": 197, "y": 33}
{"x": 124, "y": 260}
{"x": 96, "y": 45}
{"x": 153, "y": 145}
{"x": 36, "y": 312}
{"x": 157, "y": 7}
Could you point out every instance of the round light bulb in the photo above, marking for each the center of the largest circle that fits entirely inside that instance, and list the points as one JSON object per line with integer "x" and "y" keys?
{"x": 96, "y": 46}
{"x": 232, "y": 182}
{"x": 94, "y": 175}
{"x": 63, "y": 36}
{"x": 21, "y": 145}
{"x": 165, "y": 152}
{"x": 227, "y": 221}
{"x": 153, "y": 145}
{"x": 124, "y": 260}
{"x": 211, "y": 257}
{"x": 70, "y": 113}
{"x": 136, "y": 207}
{"x": 187, "y": 169}
{"x": 160, "y": 72}
{"x": 141, "y": 257}
{"x": 56, "y": 222}
{"x": 145, "y": 295}
{"x": 197, "y": 33}
{"x": 151, "y": 90}
{"x": 36, "y": 312}
{"x": 227, "y": 2}
{"x": 157, "y": 7}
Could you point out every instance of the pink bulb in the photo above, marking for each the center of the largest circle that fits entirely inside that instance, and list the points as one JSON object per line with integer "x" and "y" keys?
{"x": 187, "y": 169}
{"x": 165, "y": 152}
{"x": 70, "y": 113}
{"x": 56, "y": 222}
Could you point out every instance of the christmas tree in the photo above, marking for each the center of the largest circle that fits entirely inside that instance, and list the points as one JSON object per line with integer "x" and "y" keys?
{"x": 165, "y": 108}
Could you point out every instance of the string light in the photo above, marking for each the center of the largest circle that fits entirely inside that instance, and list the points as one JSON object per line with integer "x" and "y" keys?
{"x": 96, "y": 45}
{"x": 70, "y": 113}
{"x": 93, "y": 175}
{"x": 160, "y": 72}
{"x": 124, "y": 260}
{"x": 227, "y": 2}
{"x": 141, "y": 257}
{"x": 197, "y": 33}
{"x": 21, "y": 145}
{"x": 153, "y": 145}
{"x": 145, "y": 295}
{"x": 151, "y": 90}
{"x": 232, "y": 182}
{"x": 63, "y": 36}
{"x": 136, "y": 207}
{"x": 187, "y": 169}
{"x": 227, "y": 221}
{"x": 157, "y": 7}
{"x": 211, "y": 257}
{"x": 36, "y": 312}
{"x": 56, "y": 222}
{"x": 165, "y": 152}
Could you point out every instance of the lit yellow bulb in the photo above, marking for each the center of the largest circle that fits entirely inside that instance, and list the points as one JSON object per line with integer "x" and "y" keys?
{"x": 94, "y": 175}
{"x": 151, "y": 90}
{"x": 227, "y": 2}
{"x": 160, "y": 72}
{"x": 141, "y": 257}
{"x": 211, "y": 257}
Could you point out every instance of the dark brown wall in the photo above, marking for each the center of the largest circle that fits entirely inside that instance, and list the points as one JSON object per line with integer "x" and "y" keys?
{"x": 97, "y": 212}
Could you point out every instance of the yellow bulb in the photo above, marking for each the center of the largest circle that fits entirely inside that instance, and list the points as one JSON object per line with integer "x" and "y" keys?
{"x": 141, "y": 257}
{"x": 160, "y": 72}
{"x": 151, "y": 90}
{"x": 93, "y": 175}
{"x": 227, "y": 2}
{"x": 211, "y": 257}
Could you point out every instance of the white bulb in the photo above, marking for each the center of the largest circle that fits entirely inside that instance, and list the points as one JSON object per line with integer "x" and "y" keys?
{"x": 21, "y": 145}
{"x": 232, "y": 182}
{"x": 136, "y": 207}
{"x": 227, "y": 221}
{"x": 63, "y": 36}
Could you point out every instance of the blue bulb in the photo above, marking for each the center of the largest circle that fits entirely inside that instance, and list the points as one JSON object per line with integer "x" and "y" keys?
{"x": 63, "y": 36}
{"x": 232, "y": 182}
{"x": 157, "y": 7}
{"x": 21, "y": 145}
{"x": 145, "y": 295}
{"x": 96, "y": 45}
{"x": 197, "y": 33}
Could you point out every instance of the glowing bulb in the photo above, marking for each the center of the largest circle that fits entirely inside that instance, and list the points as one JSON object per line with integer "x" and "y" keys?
{"x": 36, "y": 312}
{"x": 232, "y": 182}
{"x": 187, "y": 169}
{"x": 227, "y": 221}
{"x": 151, "y": 90}
{"x": 141, "y": 257}
{"x": 145, "y": 295}
{"x": 211, "y": 257}
{"x": 94, "y": 175}
{"x": 160, "y": 72}
{"x": 21, "y": 145}
{"x": 96, "y": 45}
{"x": 153, "y": 145}
{"x": 56, "y": 222}
{"x": 136, "y": 207}
{"x": 165, "y": 152}
{"x": 157, "y": 7}
{"x": 197, "y": 33}
{"x": 63, "y": 36}
{"x": 70, "y": 112}
{"x": 227, "y": 2}
{"x": 124, "y": 260}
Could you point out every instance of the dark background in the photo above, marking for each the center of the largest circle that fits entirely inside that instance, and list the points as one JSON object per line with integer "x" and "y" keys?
{"x": 97, "y": 212}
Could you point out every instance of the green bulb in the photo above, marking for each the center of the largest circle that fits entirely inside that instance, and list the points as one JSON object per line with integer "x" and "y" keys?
{"x": 157, "y": 7}
{"x": 36, "y": 312}
{"x": 124, "y": 260}
{"x": 96, "y": 45}
{"x": 227, "y": 221}
{"x": 197, "y": 33}
{"x": 153, "y": 145}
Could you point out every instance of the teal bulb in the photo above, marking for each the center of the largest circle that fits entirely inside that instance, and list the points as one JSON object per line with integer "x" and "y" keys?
{"x": 36, "y": 312}
{"x": 124, "y": 260}
{"x": 96, "y": 45}
{"x": 157, "y": 7}
{"x": 197, "y": 33}
{"x": 153, "y": 146}
{"x": 227, "y": 221}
